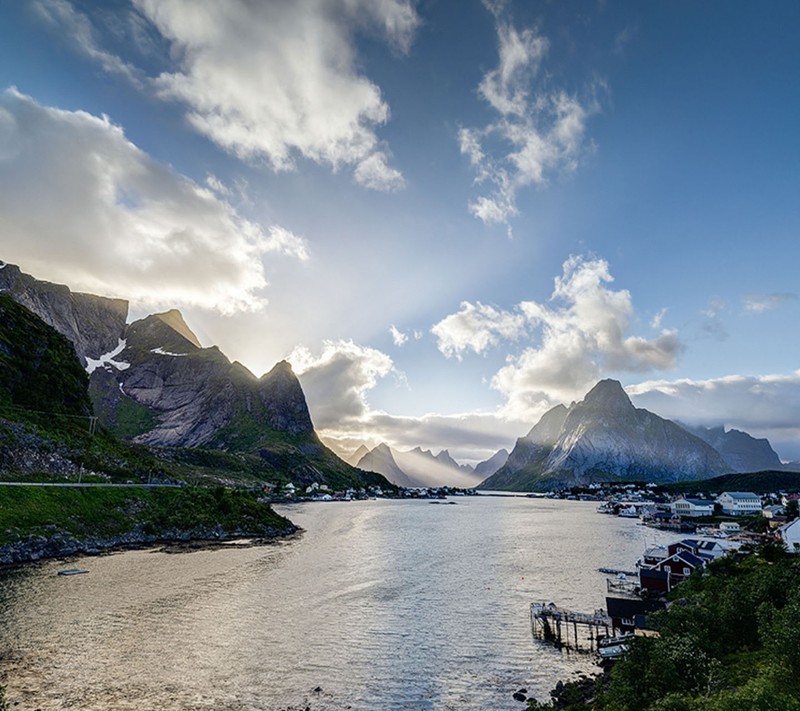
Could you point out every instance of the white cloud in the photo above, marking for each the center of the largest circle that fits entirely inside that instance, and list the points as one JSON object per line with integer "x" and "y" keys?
{"x": 373, "y": 172}
{"x": 80, "y": 204}
{"x": 280, "y": 80}
{"x": 476, "y": 327}
{"x": 337, "y": 380}
{"x": 758, "y": 303}
{"x": 533, "y": 136}
{"x": 398, "y": 337}
{"x": 506, "y": 87}
{"x": 764, "y": 406}
{"x": 658, "y": 318}
{"x": 582, "y": 334}
{"x": 285, "y": 242}
{"x": 77, "y": 28}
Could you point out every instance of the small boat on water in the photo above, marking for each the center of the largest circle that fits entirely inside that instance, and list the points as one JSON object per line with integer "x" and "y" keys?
{"x": 72, "y": 571}
{"x": 614, "y": 647}
{"x": 617, "y": 571}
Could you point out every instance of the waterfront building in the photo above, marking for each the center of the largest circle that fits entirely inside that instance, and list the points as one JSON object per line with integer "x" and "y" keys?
{"x": 684, "y": 506}
{"x": 736, "y": 503}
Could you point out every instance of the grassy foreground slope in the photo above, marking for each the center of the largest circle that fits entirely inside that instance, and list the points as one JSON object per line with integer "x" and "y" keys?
{"x": 106, "y": 512}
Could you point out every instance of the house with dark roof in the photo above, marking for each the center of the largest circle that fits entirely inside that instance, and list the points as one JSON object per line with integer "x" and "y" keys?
{"x": 680, "y": 566}
{"x": 707, "y": 550}
{"x": 628, "y": 614}
{"x": 654, "y": 582}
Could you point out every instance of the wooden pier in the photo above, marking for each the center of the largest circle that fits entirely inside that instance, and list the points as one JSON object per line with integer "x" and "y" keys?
{"x": 567, "y": 629}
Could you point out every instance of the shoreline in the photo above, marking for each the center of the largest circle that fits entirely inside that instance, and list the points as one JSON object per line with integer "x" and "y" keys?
{"x": 37, "y": 548}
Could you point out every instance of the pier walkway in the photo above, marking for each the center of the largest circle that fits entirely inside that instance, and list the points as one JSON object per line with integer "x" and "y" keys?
{"x": 579, "y": 631}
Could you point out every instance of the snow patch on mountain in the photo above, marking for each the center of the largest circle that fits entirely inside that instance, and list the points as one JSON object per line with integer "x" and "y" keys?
{"x": 161, "y": 351}
{"x": 108, "y": 359}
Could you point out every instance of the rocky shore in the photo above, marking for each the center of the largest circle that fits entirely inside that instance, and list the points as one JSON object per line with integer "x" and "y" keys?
{"x": 60, "y": 544}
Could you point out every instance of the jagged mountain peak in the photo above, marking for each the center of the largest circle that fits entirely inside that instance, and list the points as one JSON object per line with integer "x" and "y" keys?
{"x": 609, "y": 396}
{"x": 490, "y": 466}
{"x": 165, "y": 333}
{"x": 360, "y": 452}
{"x": 280, "y": 371}
{"x": 174, "y": 319}
{"x": 604, "y": 436}
{"x": 740, "y": 450}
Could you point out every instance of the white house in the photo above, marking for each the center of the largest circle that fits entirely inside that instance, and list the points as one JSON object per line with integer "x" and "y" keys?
{"x": 772, "y": 510}
{"x": 790, "y": 533}
{"x": 692, "y": 507}
{"x": 729, "y": 528}
{"x": 736, "y": 503}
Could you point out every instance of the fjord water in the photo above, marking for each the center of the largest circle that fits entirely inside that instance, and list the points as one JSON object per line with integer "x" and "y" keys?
{"x": 377, "y": 605}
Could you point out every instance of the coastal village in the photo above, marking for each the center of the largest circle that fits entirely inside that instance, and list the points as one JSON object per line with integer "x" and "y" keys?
{"x": 706, "y": 529}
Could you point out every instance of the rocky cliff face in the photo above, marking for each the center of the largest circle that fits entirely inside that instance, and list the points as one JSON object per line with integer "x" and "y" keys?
{"x": 45, "y": 410}
{"x": 183, "y": 395}
{"x": 152, "y": 383}
{"x": 742, "y": 452}
{"x": 604, "y": 437}
{"x": 93, "y": 324}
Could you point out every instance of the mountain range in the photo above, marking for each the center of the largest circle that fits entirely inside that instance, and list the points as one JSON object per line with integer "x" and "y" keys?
{"x": 605, "y": 437}
{"x": 421, "y": 468}
{"x": 152, "y": 383}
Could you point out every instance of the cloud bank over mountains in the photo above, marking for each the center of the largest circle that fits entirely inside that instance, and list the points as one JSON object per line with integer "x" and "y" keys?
{"x": 555, "y": 352}
{"x": 579, "y": 335}
{"x": 357, "y": 162}
{"x": 82, "y": 205}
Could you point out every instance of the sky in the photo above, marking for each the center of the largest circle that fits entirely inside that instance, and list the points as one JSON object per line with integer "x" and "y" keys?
{"x": 448, "y": 215}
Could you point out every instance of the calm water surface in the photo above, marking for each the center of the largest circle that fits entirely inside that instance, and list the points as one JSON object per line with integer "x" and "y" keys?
{"x": 379, "y": 605}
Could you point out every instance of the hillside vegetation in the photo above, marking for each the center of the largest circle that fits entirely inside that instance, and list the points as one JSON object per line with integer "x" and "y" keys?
{"x": 728, "y": 642}
{"x": 757, "y": 482}
{"x": 48, "y": 430}
{"x": 101, "y": 512}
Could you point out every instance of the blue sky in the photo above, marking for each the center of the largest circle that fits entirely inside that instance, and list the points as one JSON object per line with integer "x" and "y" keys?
{"x": 449, "y": 216}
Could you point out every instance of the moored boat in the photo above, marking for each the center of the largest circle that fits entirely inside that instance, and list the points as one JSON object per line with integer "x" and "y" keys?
{"x": 614, "y": 647}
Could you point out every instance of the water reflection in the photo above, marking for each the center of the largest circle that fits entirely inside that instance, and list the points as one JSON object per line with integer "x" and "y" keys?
{"x": 393, "y": 605}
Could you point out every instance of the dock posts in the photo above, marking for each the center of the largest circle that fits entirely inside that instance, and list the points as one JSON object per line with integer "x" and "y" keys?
{"x": 546, "y": 624}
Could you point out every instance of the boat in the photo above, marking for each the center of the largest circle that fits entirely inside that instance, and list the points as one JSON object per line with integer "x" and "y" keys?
{"x": 629, "y": 512}
{"x": 617, "y": 571}
{"x": 72, "y": 571}
{"x": 614, "y": 647}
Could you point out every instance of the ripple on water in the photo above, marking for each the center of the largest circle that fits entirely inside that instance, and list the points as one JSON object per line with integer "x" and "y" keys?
{"x": 390, "y": 605}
